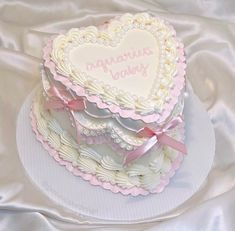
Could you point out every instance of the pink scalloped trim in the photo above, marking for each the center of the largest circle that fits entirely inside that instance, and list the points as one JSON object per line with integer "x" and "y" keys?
{"x": 134, "y": 191}
{"x": 179, "y": 82}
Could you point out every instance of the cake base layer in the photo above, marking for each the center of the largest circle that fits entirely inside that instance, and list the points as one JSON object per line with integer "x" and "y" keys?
{"x": 140, "y": 178}
{"x": 73, "y": 194}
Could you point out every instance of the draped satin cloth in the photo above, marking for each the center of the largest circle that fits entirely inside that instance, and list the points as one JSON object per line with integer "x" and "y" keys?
{"x": 208, "y": 31}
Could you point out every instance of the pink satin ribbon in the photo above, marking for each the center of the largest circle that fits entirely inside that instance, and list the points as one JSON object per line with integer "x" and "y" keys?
{"x": 60, "y": 101}
{"x": 158, "y": 136}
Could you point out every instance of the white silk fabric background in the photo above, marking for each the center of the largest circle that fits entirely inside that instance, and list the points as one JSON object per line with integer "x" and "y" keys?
{"x": 207, "y": 29}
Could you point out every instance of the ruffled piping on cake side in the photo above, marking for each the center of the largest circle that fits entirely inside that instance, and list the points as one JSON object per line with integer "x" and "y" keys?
{"x": 134, "y": 191}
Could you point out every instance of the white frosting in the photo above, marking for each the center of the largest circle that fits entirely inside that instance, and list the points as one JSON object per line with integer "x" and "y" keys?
{"x": 150, "y": 181}
{"x": 145, "y": 172}
{"x": 96, "y": 127}
{"x": 87, "y": 165}
{"x": 89, "y": 153}
{"x": 96, "y": 122}
{"x": 156, "y": 164}
{"x": 137, "y": 49}
{"x": 68, "y": 153}
{"x": 112, "y": 61}
{"x": 54, "y": 140}
{"x": 108, "y": 163}
{"x": 42, "y": 126}
{"x": 166, "y": 165}
{"x": 106, "y": 175}
{"x": 67, "y": 140}
{"x": 54, "y": 126}
{"x": 123, "y": 180}
{"x": 138, "y": 170}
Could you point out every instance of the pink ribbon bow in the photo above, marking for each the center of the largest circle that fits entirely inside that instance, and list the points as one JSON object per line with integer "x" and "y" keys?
{"x": 60, "y": 101}
{"x": 158, "y": 136}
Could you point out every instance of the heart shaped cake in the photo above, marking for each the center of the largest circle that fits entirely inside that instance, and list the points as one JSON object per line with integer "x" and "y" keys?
{"x": 111, "y": 103}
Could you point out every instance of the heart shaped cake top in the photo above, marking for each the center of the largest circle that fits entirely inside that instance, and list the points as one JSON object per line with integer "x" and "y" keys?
{"x": 133, "y": 65}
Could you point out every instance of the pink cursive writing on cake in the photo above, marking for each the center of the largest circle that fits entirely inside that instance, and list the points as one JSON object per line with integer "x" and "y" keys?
{"x": 128, "y": 60}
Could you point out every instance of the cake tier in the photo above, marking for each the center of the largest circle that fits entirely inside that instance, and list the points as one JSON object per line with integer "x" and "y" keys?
{"x": 99, "y": 163}
{"x": 133, "y": 67}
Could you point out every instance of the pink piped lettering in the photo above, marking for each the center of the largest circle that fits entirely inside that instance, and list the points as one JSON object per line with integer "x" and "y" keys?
{"x": 139, "y": 69}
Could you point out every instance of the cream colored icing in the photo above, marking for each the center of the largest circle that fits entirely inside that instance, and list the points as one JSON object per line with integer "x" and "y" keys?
{"x": 87, "y": 165}
{"x": 106, "y": 168}
{"x": 73, "y": 51}
{"x": 119, "y": 66}
{"x": 113, "y": 127}
{"x": 89, "y": 153}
